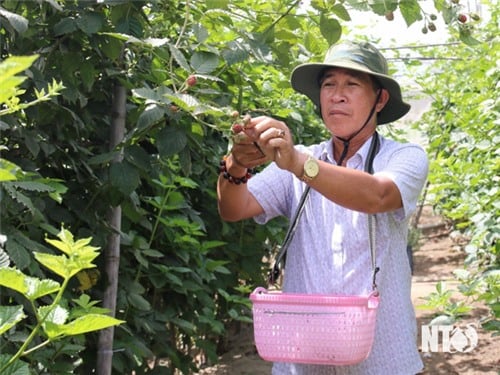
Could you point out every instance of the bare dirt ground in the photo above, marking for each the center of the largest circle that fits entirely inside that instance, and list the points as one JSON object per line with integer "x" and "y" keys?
{"x": 435, "y": 260}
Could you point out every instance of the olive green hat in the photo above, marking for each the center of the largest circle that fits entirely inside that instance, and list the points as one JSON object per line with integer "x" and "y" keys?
{"x": 362, "y": 57}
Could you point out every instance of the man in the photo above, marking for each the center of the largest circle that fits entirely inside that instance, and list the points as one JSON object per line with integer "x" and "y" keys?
{"x": 330, "y": 252}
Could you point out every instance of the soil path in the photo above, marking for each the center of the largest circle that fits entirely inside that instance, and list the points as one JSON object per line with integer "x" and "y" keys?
{"x": 437, "y": 256}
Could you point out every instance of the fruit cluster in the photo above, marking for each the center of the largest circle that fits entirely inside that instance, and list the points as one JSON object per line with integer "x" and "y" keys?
{"x": 239, "y": 126}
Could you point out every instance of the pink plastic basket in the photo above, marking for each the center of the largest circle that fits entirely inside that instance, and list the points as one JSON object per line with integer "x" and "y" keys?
{"x": 313, "y": 328}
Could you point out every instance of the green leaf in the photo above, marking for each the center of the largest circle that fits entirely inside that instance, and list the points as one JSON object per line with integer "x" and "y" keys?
{"x": 31, "y": 287}
{"x": 330, "y": 29}
{"x": 8, "y": 170}
{"x": 149, "y": 117}
{"x": 79, "y": 249}
{"x": 179, "y": 57}
{"x": 18, "y": 23}
{"x": 138, "y": 301}
{"x": 341, "y": 12}
{"x": 10, "y": 316}
{"x": 170, "y": 141}
{"x": 61, "y": 264}
{"x": 16, "y": 368}
{"x": 381, "y": 7}
{"x": 204, "y": 62}
{"x": 410, "y": 10}
{"x": 14, "y": 65}
{"x": 217, "y": 4}
{"x": 4, "y": 258}
{"x": 81, "y": 325}
{"x": 65, "y": 26}
{"x": 124, "y": 177}
{"x": 467, "y": 38}
{"x": 90, "y": 23}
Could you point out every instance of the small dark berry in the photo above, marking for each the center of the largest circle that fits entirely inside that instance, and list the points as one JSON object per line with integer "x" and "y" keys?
{"x": 462, "y": 18}
{"x": 433, "y": 17}
{"x": 424, "y": 30}
{"x": 191, "y": 80}
{"x": 455, "y": 1}
{"x": 389, "y": 16}
{"x": 431, "y": 26}
{"x": 174, "y": 108}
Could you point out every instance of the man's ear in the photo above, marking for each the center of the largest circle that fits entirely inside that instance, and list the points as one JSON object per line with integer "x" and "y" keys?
{"x": 382, "y": 100}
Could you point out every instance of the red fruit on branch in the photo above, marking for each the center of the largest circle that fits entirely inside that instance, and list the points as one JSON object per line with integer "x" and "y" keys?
{"x": 462, "y": 18}
{"x": 237, "y": 128}
{"x": 191, "y": 80}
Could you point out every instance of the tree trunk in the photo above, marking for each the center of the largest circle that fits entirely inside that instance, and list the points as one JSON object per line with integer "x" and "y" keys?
{"x": 112, "y": 252}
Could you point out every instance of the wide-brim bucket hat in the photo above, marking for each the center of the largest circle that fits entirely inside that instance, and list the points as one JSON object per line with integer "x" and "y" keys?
{"x": 363, "y": 57}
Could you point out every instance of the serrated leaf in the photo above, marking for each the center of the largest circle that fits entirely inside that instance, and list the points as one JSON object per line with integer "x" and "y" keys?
{"x": 31, "y": 287}
{"x": 62, "y": 265}
{"x": 124, "y": 177}
{"x": 90, "y": 323}
{"x": 14, "y": 65}
{"x": 10, "y": 316}
{"x": 33, "y": 186}
{"x": 234, "y": 54}
{"x": 18, "y": 23}
{"x": 19, "y": 367}
{"x": 179, "y": 57}
{"x": 184, "y": 101}
{"x": 138, "y": 301}
{"x": 149, "y": 117}
{"x": 330, "y": 29}
{"x": 381, "y": 7}
{"x": 410, "y": 10}
{"x": 65, "y": 26}
{"x": 19, "y": 197}
{"x": 204, "y": 62}
{"x": 4, "y": 258}
{"x": 90, "y": 23}
{"x": 341, "y": 12}
{"x": 170, "y": 141}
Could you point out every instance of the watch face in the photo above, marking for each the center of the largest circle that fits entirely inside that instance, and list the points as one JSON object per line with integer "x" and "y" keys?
{"x": 311, "y": 168}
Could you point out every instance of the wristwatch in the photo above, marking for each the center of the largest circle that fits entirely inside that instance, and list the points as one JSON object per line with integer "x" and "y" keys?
{"x": 311, "y": 169}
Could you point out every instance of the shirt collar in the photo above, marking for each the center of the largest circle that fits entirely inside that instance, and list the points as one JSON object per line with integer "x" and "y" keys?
{"x": 354, "y": 161}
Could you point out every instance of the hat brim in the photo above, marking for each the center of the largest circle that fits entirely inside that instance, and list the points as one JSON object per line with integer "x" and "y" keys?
{"x": 305, "y": 79}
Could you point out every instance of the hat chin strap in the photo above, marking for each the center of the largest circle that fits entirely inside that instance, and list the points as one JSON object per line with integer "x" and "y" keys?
{"x": 348, "y": 140}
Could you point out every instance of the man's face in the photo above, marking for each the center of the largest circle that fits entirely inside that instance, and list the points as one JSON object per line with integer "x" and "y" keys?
{"x": 346, "y": 98}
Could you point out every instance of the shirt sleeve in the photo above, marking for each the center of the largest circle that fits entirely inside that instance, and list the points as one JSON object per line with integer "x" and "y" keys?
{"x": 271, "y": 188}
{"x": 408, "y": 167}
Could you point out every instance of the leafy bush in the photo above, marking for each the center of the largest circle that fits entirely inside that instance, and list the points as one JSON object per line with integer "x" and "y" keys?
{"x": 462, "y": 127}
{"x": 53, "y": 318}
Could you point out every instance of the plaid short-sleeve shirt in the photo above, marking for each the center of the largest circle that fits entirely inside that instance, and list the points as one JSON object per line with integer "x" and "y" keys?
{"x": 330, "y": 251}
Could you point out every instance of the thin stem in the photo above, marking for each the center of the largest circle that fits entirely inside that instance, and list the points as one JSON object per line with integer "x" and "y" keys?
{"x": 33, "y": 333}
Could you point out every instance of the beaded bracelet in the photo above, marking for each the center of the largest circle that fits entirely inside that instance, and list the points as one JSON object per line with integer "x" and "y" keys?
{"x": 234, "y": 180}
